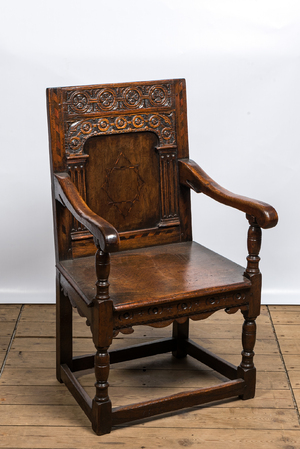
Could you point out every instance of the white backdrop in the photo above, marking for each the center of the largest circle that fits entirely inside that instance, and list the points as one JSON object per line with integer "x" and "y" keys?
{"x": 241, "y": 60}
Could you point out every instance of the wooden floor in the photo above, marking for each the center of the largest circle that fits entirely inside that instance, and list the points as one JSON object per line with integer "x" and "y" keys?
{"x": 37, "y": 412}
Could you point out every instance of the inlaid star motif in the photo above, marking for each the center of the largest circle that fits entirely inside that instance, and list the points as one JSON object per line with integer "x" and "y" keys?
{"x": 123, "y": 185}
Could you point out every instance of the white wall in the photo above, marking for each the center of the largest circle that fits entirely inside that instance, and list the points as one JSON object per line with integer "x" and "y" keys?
{"x": 241, "y": 60}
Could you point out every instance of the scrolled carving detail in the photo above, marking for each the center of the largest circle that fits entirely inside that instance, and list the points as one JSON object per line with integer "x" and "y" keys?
{"x": 86, "y": 127}
{"x": 75, "y": 144}
{"x": 120, "y": 122}
{"x": 138, "y": 121}
{"x": 167, "y": 134}
{"x": 154, "y": 121}
{"x": 103, "y": 124}
{"x": 162, "y": 124}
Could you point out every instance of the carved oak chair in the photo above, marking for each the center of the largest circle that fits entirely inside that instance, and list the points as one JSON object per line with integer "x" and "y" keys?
{"x": 124, "y": 252}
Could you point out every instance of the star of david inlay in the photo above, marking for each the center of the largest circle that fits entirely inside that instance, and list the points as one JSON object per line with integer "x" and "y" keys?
{"x": 122, "y": 174}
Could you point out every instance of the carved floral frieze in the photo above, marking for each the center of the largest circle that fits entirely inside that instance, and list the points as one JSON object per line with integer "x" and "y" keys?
{"x": 91, "y": 101}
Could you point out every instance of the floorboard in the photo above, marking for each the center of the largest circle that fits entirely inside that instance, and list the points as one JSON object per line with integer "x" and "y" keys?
{"x": 37, "y": 412}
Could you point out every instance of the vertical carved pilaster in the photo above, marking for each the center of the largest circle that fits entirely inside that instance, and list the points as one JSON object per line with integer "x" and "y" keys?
{"x": 168, "y": 185}
{"x": 76, "y": 168}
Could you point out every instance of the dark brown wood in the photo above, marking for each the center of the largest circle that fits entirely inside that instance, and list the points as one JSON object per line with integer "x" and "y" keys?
{"x": 66, "y": 193}
{"x": 76, "y": 390}
{"x": 139, "y": 179}
{"x": 101, "y": 407}
{"x": 180, "y": 335}
{"x": 196, "y": 178}
{"x": 86, "y": 362}
{"x": 247, "y": 370}
{"x": 254, "y": 244}
{"x": 121, "y": 180}
{"x": 102, "y": 273}
{"x": 222, "y": 283}
{"x": 142, "y": 350}
{"x": 178, "y": 401}
{"x": 208, "y": 358}
{"x": 64, "y": 346}
{"x": 252, "y": 270}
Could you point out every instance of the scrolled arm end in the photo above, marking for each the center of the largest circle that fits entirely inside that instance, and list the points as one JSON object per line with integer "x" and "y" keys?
{"x": 105, "y": 235}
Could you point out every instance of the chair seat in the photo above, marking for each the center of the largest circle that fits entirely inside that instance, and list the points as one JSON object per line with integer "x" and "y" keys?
{"x": 158, "y": 275}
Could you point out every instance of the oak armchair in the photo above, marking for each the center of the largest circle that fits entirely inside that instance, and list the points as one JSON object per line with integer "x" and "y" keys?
{"x": 121, "y": 179}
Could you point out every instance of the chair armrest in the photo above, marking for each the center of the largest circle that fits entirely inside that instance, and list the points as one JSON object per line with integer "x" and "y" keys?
{"x": 193, "y": 176}
{"x": 67, "y": 194}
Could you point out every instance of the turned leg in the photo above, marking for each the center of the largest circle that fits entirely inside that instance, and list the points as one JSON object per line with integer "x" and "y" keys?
{"x": 181, "y": 334}
{"x": 63, "y": 329}
{"x": 102, "y": 328}
{"x": 102, "y": 418}
{"x": 247, "y": 370}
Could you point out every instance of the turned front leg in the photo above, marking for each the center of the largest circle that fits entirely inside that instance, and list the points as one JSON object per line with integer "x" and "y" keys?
{"x": 247, "y": 370}
{"x": 102, "y": 417}
{"x": 102, "y": 335}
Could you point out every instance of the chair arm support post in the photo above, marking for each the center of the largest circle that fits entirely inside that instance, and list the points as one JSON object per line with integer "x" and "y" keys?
{"x": 191, "y": 175}
{"x": 252, "y": 270}
{"x": 105, "y": 235}
{"x": 102, "y": 325}
{"x": 102, "y": 271}
{"x": 254, "y": 245}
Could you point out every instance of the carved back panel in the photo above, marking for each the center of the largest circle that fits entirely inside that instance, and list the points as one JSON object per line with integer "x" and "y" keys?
{"x": 120, "y": 143}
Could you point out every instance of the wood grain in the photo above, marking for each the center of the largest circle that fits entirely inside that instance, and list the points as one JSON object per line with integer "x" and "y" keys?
{"x": 206, "y": 417}
{"x": 137, "y": 437}
{"x": 9, "y": 313}
{"x": 59, "y": 395}
{"x": 6, "y": 328}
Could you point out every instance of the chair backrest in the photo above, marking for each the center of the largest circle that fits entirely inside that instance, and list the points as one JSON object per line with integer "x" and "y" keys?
{"x": 120, "y": 144}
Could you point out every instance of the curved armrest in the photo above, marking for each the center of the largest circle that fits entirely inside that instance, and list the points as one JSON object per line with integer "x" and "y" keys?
{"x": 194, "y": 177}
{"x": 66, "y": 193}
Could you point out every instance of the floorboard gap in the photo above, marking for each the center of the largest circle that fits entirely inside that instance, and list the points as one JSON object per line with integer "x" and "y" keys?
{"x": 11, "y": 340}
{"x": 283, "y": 362}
